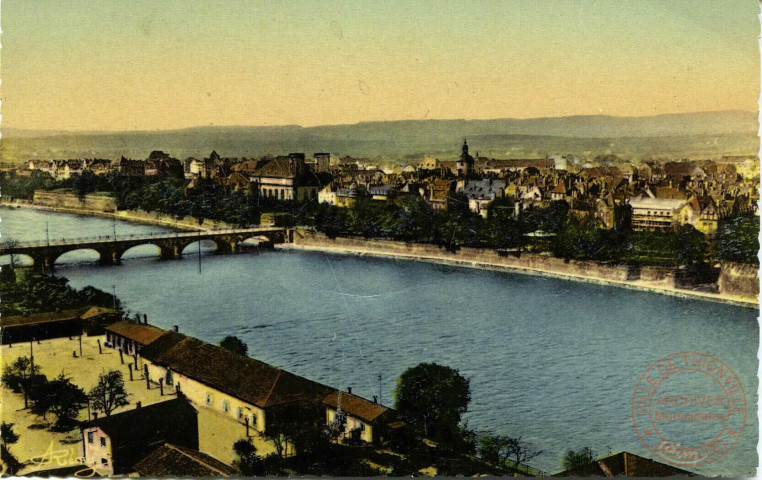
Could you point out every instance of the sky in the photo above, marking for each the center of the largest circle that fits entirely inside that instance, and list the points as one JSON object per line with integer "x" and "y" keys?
{"x": 146, "y": 65}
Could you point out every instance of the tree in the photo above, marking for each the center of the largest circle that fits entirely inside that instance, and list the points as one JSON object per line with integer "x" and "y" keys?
{"x": 738, "y": 240}
{"x": 11, "y": 243}
{"x": 302, "y": 427}
{"x": 494, "y": 449}
{"x": 690, "y": 246}
{"x": 579, "y": 458}
{"x": 248, "y": 463}
{"x": 66, "y": 401}
{"x": 235, "y": 345}
{"x": 7, "y": 435}
{"x": 109, "y": 393}
{"x": 20, "y": 377}
{"x": 433, "y": 397}
{"x": 521, "y": 451}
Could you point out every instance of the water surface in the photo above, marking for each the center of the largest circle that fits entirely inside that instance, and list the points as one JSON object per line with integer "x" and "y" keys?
{"x": 551, "y": 360}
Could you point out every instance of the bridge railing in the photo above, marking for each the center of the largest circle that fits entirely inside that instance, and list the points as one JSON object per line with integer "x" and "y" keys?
{"x": 134, "y": 236}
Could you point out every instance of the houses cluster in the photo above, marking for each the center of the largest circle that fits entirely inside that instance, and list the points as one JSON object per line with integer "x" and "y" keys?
{"x": 647, "y": 195}
{"x": 213, "y": 394}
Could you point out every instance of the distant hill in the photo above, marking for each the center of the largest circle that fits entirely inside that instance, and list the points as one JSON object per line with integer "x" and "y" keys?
{"x": 706, "y": 134}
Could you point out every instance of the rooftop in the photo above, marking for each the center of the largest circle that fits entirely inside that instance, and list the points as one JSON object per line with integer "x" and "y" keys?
{"x": 138, "y": 332}
{"x": 174, "y": 461}
{"x": 47, "y": 317}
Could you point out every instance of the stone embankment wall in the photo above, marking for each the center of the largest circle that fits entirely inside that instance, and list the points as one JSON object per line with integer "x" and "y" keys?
{"x": 527, "y": 261}
{"x": 43, "y": 200}
{"x": 738, "y": 283}
{"x": 739, "y": 280}
{"x": 661, "y": 276}
{"x": 66, "y": 199}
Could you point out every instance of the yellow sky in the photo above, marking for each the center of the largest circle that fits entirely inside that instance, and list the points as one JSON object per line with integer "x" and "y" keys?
{"x": 82, "y": 65}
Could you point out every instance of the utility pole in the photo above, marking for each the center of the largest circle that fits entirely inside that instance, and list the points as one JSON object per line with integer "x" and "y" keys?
{"x": 199, "y": 251}
{"x": 379, "y": 389}
{"x": 113, "y": 294}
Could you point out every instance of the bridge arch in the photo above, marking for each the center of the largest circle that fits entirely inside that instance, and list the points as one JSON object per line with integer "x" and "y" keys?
{"x": 19, "y": 259}
{"x": 142, "y": 250}
{"x": 208, "y": 245}
{"x": 76, "y": 255}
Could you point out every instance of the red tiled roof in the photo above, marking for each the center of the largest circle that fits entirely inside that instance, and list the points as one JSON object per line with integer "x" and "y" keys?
{"x": 48, "y": 317}
{"x": 355, "y": 406}
{"x": 174, "y": 461}
{"x": 137, "y": 332}
{"x": 242, "y": 377}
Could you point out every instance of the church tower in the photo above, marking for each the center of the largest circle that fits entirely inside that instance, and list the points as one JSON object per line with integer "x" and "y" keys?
{"x": 465, "y": 164}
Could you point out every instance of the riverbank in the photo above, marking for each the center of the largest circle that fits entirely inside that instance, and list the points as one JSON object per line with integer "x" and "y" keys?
{"x": 653, "y": 280}
{"x": 135, "y": 216}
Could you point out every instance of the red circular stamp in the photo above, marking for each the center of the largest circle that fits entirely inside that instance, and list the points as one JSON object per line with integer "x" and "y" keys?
{"x": 689, "y": 409}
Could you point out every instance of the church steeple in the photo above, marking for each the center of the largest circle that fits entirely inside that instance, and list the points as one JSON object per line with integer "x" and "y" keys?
{"x": 465, "y": 163}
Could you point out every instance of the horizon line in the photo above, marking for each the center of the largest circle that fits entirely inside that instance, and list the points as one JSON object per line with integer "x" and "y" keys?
{"x": 54, "y": 132}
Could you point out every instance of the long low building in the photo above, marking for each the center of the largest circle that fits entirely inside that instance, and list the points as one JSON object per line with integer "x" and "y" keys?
{"x": 242, "y": 389}
{"x": 66, "y": 323}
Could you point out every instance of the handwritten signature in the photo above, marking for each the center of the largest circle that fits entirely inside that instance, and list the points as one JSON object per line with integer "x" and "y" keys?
{"x": 62, "y": 458}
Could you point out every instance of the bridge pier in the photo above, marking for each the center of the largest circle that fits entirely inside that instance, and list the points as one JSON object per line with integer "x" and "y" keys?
{"x": 226, "y": 246}
{"x": 43, "y": 263}
{"x": 110, "y": 256}
{"x": 170, "y": 252}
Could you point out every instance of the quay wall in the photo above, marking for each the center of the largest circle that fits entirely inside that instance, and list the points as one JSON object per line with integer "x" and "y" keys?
{"x": 739, "y": 280}
{"x": 738, "y": 289}
{"x": 466, "y": 255}
{"x": 136, "y": 216}
{"x": 90, "y": 202}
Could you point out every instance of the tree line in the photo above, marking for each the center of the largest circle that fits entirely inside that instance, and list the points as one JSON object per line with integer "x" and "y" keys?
{"x": 409, "y": 218}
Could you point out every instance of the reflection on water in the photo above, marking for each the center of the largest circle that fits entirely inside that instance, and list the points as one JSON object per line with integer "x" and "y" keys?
{"x": 551, "y": 360}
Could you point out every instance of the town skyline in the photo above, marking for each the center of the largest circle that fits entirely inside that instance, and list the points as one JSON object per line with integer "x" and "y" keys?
{"x": 194, "y": 64}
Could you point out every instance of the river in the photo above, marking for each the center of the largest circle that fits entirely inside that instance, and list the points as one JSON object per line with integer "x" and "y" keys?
{"x": 551, "y": 360}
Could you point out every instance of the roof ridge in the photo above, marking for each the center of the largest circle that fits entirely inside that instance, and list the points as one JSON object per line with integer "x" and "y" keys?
{"x": 269, "y": 394}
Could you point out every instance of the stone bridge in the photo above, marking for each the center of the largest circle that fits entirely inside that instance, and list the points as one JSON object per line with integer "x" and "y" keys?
{"x": 170, "y": 244}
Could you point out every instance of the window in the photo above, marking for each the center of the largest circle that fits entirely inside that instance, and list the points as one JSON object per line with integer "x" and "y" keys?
{"x": 103, "y": 441}
{"x": 239, "y": 413}
{"x": 89, "y": 437}
{"x": 225, "y": 406}
{"x": 104, "y": 461}
{"x": 209, "y": 398}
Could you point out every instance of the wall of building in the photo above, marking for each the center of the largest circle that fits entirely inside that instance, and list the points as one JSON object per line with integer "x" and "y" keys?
{"x": 352, "y": 423}
{"x": 739, "y": 280}
{"x": 61, "y": 199}
{"x": 94, "y": 453}
{"x": 218, "y": 430}
{"x": 197, "y": 394}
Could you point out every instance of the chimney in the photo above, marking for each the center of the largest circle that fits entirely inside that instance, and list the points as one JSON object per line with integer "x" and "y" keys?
{"x": 145, "y": 319}
{"x": 375, "y": 398}
{"x": 176, "y": 328}
{"x": 349, "y": 389}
